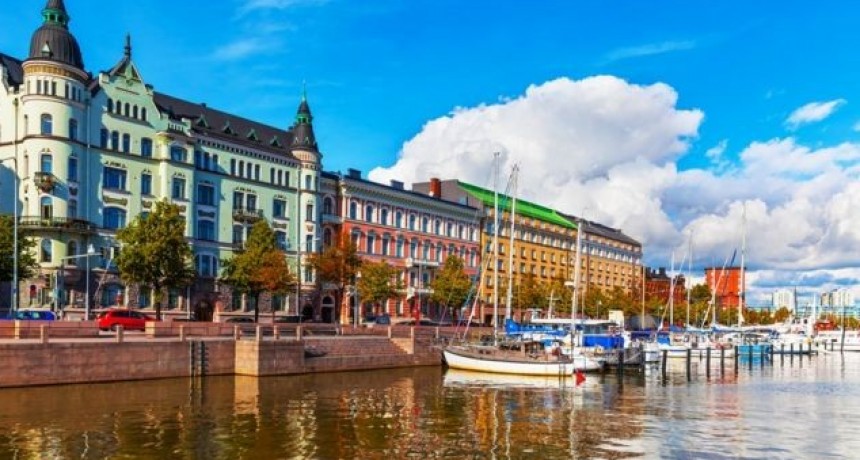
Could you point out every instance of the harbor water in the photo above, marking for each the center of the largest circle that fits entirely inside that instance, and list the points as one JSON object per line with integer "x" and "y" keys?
{"x": 794, "y": 407}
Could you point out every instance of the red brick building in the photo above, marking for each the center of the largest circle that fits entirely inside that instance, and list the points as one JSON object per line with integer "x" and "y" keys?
{"x": 726, "y": 283}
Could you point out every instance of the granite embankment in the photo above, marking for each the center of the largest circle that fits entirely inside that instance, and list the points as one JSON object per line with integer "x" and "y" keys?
{"x": 48, "y": 353}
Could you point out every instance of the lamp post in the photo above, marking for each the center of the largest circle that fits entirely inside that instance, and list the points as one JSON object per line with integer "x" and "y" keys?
{"x": 91, "y": 251}
{"x": 13, "y": 304}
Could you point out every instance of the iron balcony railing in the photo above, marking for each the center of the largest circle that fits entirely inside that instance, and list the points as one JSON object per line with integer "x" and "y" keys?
{"x": 57, "y": 223}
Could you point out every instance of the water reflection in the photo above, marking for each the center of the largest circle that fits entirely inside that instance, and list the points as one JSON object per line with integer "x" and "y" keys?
{"x": 783, "y": 410}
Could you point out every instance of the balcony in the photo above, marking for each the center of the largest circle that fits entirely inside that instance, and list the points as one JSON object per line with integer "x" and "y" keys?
{"x": 410, "y": 262}
{"x": 328, "y": 218}
{"x": 62, "y": 224}
{"x": 247, "y": 215}
{"x": 412, "y": 291}
{"x": 45, "y": 181}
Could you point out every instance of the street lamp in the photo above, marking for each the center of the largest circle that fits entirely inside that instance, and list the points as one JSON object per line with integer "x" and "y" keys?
{"x": 13, "y": 305}
{"x": 90, "y": 252}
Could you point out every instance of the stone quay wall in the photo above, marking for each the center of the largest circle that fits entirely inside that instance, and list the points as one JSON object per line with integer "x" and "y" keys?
{"x": 43, "y": 357}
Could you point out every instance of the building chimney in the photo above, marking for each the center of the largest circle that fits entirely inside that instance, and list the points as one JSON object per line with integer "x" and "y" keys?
{"x": 435, "y": 187}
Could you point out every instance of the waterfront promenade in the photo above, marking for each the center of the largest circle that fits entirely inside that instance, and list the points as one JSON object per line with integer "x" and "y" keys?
{"x": 48, "y": 353}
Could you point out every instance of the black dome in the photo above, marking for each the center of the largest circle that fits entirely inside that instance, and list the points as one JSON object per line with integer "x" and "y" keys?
{"x": 54, "y": 42}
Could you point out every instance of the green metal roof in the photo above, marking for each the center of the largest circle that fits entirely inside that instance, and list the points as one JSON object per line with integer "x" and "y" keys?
{"x": 524, "y": 208}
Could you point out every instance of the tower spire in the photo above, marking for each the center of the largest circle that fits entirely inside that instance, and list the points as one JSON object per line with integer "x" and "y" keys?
{"x": 55, "y": 13}
{"x": 128, "y": 45}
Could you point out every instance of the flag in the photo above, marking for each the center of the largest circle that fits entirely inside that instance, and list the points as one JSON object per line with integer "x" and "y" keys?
{"x": 580, "y": 377}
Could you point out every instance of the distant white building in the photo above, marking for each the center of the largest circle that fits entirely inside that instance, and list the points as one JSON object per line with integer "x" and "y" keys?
{"x": 783, "y": 298}
{"x": 837, "y": 298}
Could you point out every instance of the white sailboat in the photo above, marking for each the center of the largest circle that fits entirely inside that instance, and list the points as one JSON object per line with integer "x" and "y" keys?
{"x": 523, "y": 357}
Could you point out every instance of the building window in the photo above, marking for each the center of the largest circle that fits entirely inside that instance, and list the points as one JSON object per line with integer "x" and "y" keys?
{"x": 205, "y": 194}
{"x": 371, "y": 240}
{"x": 73, "y": 169}
{"x": 126, "y": 143}
{"x": 383, "y": 217}
{"x": 327, "y": 239}
{"x": 309, "y": 245}
{"x": 47, "y": 251}
{"x": 110, "y": 105}
{"x": 327, "y": 205}
{"x": 252, "y": 203}
{"x": 146, "y": 147}
{"x": 437, "y": 228}
{"x": 47, "y": 207}
{"x": 114, "y": 218}
{"x": 134, "y": 112}
{"x": 353, "y": 211}
{"x": 241, "y": 168}
{"x": 412, "y": 221}
{"x": 178, "y": 153}
{"x": 114, "y": 140}
{"x": 73, "y": 129}
{"x": 47, "y": 125}
{"x": 114, "y": 178}
{"x": 238, "y": 234}
{"x": 238, "y": 200}
{"x": 47, "y": 164}
{"x": 178, "y": 188}
{"x": 72, "y": 250}
{"x": 413, "y": 249}
{"x": 143, "y": 113}
{"x": 385, "y": 243}
{"x": 206, "y": 230}
{"x": 279, "y": 209}
{"x": 232, "y": 166}
{"x": 368, "y": 213}
{"x": 281, "y": 240}
{"x": 257, "y": 172}
{"x": 146, "y": 184}
{"x": 398, "y": 219}
{"x": 103, "y": 138}
{"x": 308, "y": 182}
{"x": 73, "y": 209}
{"x": 309, "y": 212}
{"x": 425, "y": 224}
{"x": 399, "y": 248}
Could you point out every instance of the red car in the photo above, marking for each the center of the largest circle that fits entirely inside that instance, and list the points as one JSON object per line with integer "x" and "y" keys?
{"x": 129, "y": 320}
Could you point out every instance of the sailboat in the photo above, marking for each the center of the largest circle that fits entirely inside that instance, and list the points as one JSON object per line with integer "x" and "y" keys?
{"x": 520, "y": 357}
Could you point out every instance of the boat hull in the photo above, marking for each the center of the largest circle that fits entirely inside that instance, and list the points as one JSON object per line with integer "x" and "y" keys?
{"x": 486, "y": 360}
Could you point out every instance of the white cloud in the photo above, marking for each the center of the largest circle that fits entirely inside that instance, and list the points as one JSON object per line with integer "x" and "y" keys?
{"x": 812, "y": 112}
{"x": 607, "y": 149}
{"x": 248, "y": 6}
{"x": 856, "y": 126}
{"x": 649, "y": 49}
{"x": 241, "y": 49}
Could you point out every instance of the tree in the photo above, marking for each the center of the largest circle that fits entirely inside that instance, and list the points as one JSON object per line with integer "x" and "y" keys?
{"x": 27, "y": 264}
{"x": 155, "y": 252}
{"x": 452, "y": 285}
{"x": 336, "y": 267}
{"x": 781, "y": 315}
{"x": 259, "y": 267}
{"x": 560, "y": 296}
{"x": 530, "y": 293}
{"x": 378, "y": 283}
{"x": 273, "y": 275}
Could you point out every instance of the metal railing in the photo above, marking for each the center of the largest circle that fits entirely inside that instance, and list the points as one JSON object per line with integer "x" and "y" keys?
{"x": 57, "y": 223}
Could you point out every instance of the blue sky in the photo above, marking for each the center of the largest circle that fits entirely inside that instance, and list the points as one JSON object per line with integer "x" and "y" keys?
{"x": 386, "y": 78}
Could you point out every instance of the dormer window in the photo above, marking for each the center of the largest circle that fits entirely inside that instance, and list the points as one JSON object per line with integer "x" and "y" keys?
{"x": 275, "y": 142}
{"x": 252, "y": 135}
{"x": 227, "y": 129}
{"x": 201, "y": 122}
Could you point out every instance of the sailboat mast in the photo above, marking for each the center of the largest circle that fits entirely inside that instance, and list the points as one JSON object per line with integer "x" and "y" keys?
{"x": 513, "y": 215}
{"x": 742, "y": 279}
{"x": 576, "y": 264}
{"x": 496, "y": 244}
{"x": 690, "y": 276}
{"x": 672, "y": 292}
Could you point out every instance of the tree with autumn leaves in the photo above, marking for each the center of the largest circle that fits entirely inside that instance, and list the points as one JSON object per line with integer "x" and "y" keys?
{"x": 379, "y": 282}
{"x": 336, "y": 268}
{"x": 260, "y": 267}
{"x": 452, "y": 285}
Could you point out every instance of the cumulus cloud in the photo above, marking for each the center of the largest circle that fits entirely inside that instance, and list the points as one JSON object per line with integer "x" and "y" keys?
{"x": 812, "y": 112}
{"x": 608, "y": 149}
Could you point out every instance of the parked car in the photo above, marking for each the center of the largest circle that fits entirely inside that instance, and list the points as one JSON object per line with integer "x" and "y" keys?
{"x": 130, "y": 320}
{"x": 381, "y": 320}
{"x": 32, "y": 315}
{"x": 239, "y": 319}
{"x": 288, "y": 319}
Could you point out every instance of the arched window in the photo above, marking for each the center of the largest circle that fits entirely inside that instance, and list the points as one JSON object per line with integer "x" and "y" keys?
{"x": 280, "y": 177}
{"x": 143, "y": 113}
{"x": 327, "y": 240}
{"x": 73, "y": 129}
{"x": 368, "y": 213}
{"x": 383, "y": 217}
{"x": 47, "y": 124}
{"x": 412, "y": 222}
{"x": 46, "y": 205}
{"x": 126, "y": 112}
{"x": 47, "y": 251}
{"x": 241, "y": 168}
{"x": 146, "y": 147}
{"x": 425, "y": 224}
{"x": 134, "y": 111}
{"x": 232, "y": 166}
{"x": 309, "y": 212}
{"x": 110, "y": 105}
{"x": 126, "y": 143}
{"x": 398, "y": 219}
{"x": 328, "y": 206}
{"x": 437, "y": 227}
{"x": 353, "y": 210}
{"x": 114, "y": 218}
{"x": 308, "y": 182}
{"x": 114, "y": 140}
{"x": 47, "y": 163}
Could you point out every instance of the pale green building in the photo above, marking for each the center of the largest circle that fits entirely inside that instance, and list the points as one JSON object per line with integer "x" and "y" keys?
{"x": 90, "y": 152}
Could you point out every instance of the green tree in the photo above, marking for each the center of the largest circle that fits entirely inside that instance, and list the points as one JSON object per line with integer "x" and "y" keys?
{"x": 560, "y": 296}
{"x": 242, "y": 272}
{"x": 378, "y": 283}
{"x": 27, "y": 264}
{"x": 530, "y": 293}
{"x": 335, "y": 268}
{"x": 781, "y": 314}
{"x": 452, "y": 285}
{"x": 155, "y": 252}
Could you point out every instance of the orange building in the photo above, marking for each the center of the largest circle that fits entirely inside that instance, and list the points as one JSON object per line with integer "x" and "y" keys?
{"x": 658, "y": 284}
{"x": 726, "y": 283}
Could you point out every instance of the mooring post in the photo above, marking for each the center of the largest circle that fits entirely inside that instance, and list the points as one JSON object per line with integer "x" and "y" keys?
{"x": 708, "y": 363}
{"x": 722, "y": 361}
{"x": 737, "y": 357}
{"x": 663, "y": 364}
{"x": 119, "y": 332}
{"x": 620, "y": 361}
{"x": 689, "y": 364}
{"x": 43, "y": 334}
